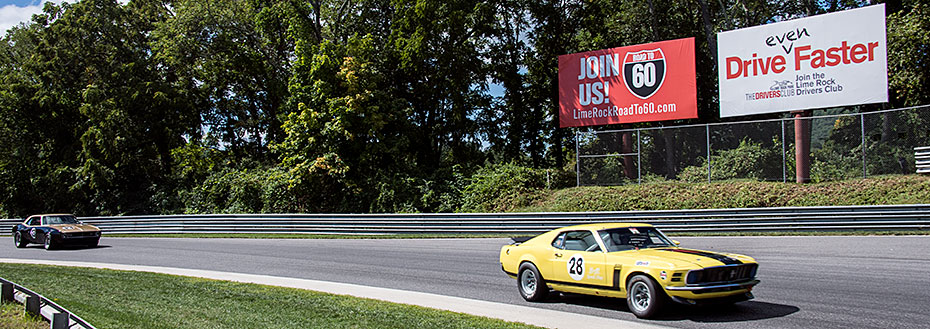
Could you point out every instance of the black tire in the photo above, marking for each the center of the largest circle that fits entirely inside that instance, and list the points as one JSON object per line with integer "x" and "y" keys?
{"x": 531, "y": 284}
{"x": 644, "y": 297}
{"x": 49, "y": 244}
{"x": 93, "y": 243}
{"x": 18, "y": 240}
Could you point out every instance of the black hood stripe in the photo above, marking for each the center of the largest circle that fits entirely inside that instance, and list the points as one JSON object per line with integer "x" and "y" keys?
{"x": 721, "y": 258}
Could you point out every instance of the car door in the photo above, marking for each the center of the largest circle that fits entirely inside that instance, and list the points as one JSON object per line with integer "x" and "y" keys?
{"x": 32, "y": 233}
{"x": 577, "y": 259}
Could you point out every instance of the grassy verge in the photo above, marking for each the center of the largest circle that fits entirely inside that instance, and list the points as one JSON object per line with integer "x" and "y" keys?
{"x": 881, "y": 190}
{"x": 123, "y": 299}
{"x": 12, "y": 316}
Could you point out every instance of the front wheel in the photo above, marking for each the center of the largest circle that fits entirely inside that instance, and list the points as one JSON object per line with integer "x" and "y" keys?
{"x": 18, "y": 240}
{"x": 644, "y": 296}
{"x": 93, "y": 243}
{"x": 532, "y": 286}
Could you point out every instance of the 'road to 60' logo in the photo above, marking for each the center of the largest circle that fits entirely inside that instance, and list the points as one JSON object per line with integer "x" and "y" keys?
{"x": 644, "y": 71}
{"x": 575, "y": 267}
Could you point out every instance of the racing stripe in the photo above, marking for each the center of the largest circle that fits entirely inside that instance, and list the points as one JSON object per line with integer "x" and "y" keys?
{"x": 721, "y": 258}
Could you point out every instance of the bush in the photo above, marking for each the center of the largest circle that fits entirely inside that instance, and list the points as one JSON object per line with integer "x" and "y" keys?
{"x": 749, "y": 160}
{"x": 242, "y": 191}
{"x": 502, "y": 187}
{"x": 834, "y": 162}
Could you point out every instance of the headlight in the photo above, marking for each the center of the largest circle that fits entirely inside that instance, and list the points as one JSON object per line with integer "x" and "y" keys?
{"x": 695, "y": 276}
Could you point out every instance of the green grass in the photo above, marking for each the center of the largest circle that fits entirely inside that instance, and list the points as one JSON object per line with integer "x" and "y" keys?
{"x": 881, "y": 190}
{"x": 125, "y": 299}
{"x": 12, "y": 315}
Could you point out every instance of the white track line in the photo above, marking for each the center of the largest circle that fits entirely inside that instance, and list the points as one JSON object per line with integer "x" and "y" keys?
{"x": 508, "y": 312}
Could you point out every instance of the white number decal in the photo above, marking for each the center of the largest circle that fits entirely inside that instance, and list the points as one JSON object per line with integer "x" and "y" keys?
{"x": 575, "y": 267}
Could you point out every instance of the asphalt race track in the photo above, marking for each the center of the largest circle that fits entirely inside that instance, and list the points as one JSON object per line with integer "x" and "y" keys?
{"x": 807, "y": 282}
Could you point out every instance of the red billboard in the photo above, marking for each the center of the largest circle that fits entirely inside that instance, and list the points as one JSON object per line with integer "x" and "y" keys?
{"x": 648, "y": 82}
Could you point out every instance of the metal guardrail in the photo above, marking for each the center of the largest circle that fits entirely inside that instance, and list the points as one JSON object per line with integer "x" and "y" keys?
{"x": 58, "y": 317}
{"x": 784, "y": 219}
{"x": 922, "y": 159}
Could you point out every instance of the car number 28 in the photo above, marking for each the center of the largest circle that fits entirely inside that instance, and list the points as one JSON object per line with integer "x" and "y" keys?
{"x": 575, "y": 267}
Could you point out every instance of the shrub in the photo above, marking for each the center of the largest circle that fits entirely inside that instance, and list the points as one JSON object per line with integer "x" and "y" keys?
{"x": 748, "y": 160}
{"x": 502, "y": 187}
{"x": 242, "y": 191}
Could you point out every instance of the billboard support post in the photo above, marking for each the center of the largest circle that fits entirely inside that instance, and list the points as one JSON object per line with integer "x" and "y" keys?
{"x": 784, "y": 162}
{"x": 862, "y": 126}
{"x": 626, "y": 147}
{"x": 707, "y": 133}
{"x": 639, "y": 157}
{"x": 577, "y": 162}
{"x": 802, "y": 146}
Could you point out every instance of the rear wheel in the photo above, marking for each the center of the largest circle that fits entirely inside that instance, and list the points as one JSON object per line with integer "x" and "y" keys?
{"x": 49, "y": 245}
{"x": 18, "y": 240}
{"x": 644, "y": 296}
{"x": 531, "y": 284}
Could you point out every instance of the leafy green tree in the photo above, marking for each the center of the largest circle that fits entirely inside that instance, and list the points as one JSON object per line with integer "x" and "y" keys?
{"x": 233, "y": 57}
{"x": 104, "y": 119}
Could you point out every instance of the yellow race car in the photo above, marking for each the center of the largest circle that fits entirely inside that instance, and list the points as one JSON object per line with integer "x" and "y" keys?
{"x": 626, "y": 260}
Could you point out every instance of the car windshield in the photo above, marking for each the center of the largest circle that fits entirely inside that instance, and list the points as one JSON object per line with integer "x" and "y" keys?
{"x": 57, "y": 220}
{"x": 629, "y": 238}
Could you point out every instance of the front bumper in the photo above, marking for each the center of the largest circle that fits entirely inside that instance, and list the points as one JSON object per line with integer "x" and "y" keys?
{"x": 716, "y": 288}
{"x": 71, "y": 238}
{"x": 712, "y": 301}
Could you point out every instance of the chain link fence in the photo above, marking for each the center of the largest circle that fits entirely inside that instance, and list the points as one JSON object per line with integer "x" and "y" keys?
{"x": 843, "y": 146}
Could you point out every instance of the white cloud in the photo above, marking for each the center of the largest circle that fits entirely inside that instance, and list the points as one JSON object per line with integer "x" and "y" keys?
{"x": 12, "y": 15}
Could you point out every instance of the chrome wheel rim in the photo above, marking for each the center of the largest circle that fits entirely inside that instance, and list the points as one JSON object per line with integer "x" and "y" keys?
{"x": 528, "y": 282}
{"x": 16, "y": 238}
{"x": 640, "y": 296}
{"x": 48, "y": 243}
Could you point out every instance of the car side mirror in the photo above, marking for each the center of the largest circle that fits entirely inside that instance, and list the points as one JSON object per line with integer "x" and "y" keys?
{"x": 676, "y": 242}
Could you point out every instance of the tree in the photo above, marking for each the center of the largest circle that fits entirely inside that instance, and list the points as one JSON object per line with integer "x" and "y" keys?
{"x": 103, "y": 120}
{"x": 233, "y": 57}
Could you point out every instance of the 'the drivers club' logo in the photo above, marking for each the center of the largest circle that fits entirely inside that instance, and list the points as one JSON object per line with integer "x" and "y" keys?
{"x": 644, "y": 71}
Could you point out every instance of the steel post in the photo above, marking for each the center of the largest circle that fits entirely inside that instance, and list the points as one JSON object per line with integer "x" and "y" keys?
{"x": 784, "y": 160}
{"x": 32, "y": 305}
{"x": 60, "y": 321}
{"x": 862, "y": 125}
{"x": 577, "y": 162}
{"x": 7, "y": 295}
{"x": 802, "y": 147}
{"x": 707, "y": 130}
{"x": 639, "y": 157}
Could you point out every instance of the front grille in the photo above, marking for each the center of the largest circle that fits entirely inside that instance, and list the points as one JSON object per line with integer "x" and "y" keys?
{"x": 723, "y": 274}
{"x": 80, "y": 234}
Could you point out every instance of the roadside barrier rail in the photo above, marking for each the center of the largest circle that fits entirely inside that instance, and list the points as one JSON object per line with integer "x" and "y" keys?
{"x": 58, "y": 317}
{"x": 782, "y": 219}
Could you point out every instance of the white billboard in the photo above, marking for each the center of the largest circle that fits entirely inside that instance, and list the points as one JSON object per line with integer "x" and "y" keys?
{"x": 821, "y": 61}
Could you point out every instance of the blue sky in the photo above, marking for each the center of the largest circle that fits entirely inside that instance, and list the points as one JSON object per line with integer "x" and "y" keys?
{"x": 18, "y": 3}
{"x": 13, "y": 12}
